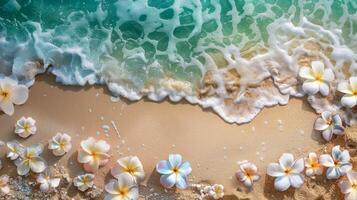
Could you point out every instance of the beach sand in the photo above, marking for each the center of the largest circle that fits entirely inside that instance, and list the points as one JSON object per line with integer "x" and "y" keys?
{"x": 153, "y": 130}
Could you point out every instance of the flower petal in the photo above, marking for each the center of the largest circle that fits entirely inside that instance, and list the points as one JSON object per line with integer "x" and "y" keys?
{"x": 353, "y": 83}
{"x": 37, "y": 165}
{"x": 44, "y": 187}
{"x": 317, "y": 67}
{"x": 185, "y": 168}
{"x": 168, "y": 180}
{"x": 332, "y": 173}
{"x": 327, "y": 134}
{"x": 345, "y": 186}
{"x": 20, "y": 94}
{"x": 352, "y": 176}
{"x": 298, "y": 166}
{"x": 181, "y": 182}
{"x": 102, "y": 146}
{"x": 286, "y": 160}
{"x": 164, "y": 167}
{"x": 126, "y": 180}
{"x": 336, "y": 152}
{"x": 84, "y": 157}
{"x": 175, "y": 160}
{"x": 349, "y": 100}
{"x": 344, "y": 156}
{"x": 345, "y": 87}
{"x": 296, "y": 180}
{"x": 23, "y": 168}
{"x": 329, "y": 75}
{"x": 320, "y": 124}
{"x": 344, "y": 168}
{"x": 88, "y": 144}
{"x": 133, "y": 193}
{"x": 326, "y": 160}
{"x": 112, "y": 187}
{"x": 324, "y": 89}
{"x": 7, "y": 107}
{"x": 275, "y": 170}
{"x": 282, "y": 183}
{"x": 306, "y": 72}
{"x": 310, "y": 87}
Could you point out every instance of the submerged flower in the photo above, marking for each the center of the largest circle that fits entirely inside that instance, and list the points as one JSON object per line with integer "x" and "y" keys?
{"x": 329, "y": 124}
{"x": 247, "y": 173}
{"x": 287, "y": 172}
{"x": 217, "y": 191}
{"x": 84, "y": 182}
{"x": 15, "y": 149}
{"x": 93, "y": 154}
{"x": 124, "y": 188}
{"x": 131, "y": 165}
{"x": 25, "y": 127}
{"x": 313, "y": 167}
{"x": 47, "y": 181}
{"x": 349, "y": 186}
{"x": 60, "y": 144}
{"x": 317, "y": 78}
{"x": 338, "y": 164}
{"x": 11, "y": 93}
{"x": 31, "y": 160}
{"x": 174, "y": 171}
{"x": 350, "y": 91}
{"x": 4, "y": 187}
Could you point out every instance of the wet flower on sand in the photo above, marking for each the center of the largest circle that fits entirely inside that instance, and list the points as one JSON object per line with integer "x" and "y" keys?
{"x": 84, "y": 182}
{"x": 350, "y": 90}
{"x": 317, "y": 78}
{"x": 349, "y": 186}
{"x": 287, "y": 172}
{"x": 25, "y": 127}
{"x": 124, "y": 188}
{"x": 4, "y": 187}
{"x": 329, "y": 124}
{"x": 31, "y": 160}
{"x": 47, "y": 181}
{"x": 313, "y": 167}
{"x": 174, "y": 171}
{"x": 93, "y": 154}
{"x": 217, "y": 191}
{"x": 131, "y": 165}
{"x": 60, "y": 144}
{"x": 338, "y": 164}
{"x": 11, "y": 93}
{"x": 15, "y": 149}
{"x": 247, "y": 173}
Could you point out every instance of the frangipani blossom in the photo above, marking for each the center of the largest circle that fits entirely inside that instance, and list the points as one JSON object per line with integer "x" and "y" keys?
{"x": 93, "y": 154}
{"x": 317, "y": 78}
{"x": 4, "y": 187}
{"x": 338, "y": 164}
{"x": 60, "y": 144}
{"x": 131, "y": 165}
{"x": 11, "y": 93}
{"x": 124, "y": 188}
{"x": 329, "y": 124}
{"x": 313, "y": 167}
{"x": 174, "y": 171}
{"x": 47, "y": 181}
{"x": 84, "y": 182}
{"x": 287, "y": 172}
{"x": 217, "y": 191}
{"x": 15, "y": 149}
{"x": 350, "y": 91}
{"x": 247, "y": 173}
{"x": 349, "y": 186}
{"x": 31, "y": 160}
{"x": 25, "y": 127}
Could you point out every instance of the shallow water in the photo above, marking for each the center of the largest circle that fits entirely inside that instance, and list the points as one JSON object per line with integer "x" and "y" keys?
{"x": 235, "y": 56}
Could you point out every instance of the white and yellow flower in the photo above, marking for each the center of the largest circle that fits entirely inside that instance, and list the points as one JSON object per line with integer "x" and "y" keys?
{"x": 338, "y": 163}
{"x": 4, "y": 187}
{"x": 329, "y": 124}
{"x": 25, "y": 127}
{"x": 349, "y": 186}
{"x": 15, "y": 149}
{"x": 124, "y": 188}
{"x": 350, "y": 90}
{"x": 11, "y": 93}
{"x": 317, "y": 78}
{"x": 313, "y": 166}
{"x": 217, "y": 191}
{"x": 47, "y": 181}
{"x": 84, "y": 182}
{"x": 247, "y": 173}
{"x": 93, "y": 154}
{"x": 131, "y": 165}
{"x": 60, "y": 144}
{"x": 31, "y": 160}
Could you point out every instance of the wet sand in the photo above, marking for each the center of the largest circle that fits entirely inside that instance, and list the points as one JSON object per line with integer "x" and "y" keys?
{"x": 152, "y": 130}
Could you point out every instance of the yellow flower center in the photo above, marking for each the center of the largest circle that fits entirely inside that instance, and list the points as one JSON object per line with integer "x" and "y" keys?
{"x": 5, "y": 94}
{"x": 336, "y": 162}
{"x": 123, "y": 191}
{"x": 62, "y": 144}
{"x": 26, "y": 127}
{"x": 131, "y": 169}
{"x": 287, "y": 170}
{"x": 249, "y": 173}
{"x": 175, "y": 170}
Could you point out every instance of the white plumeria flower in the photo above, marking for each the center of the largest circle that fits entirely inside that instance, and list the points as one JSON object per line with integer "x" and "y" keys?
{"x": 329, "y": 124}
{"x": 350, "y": 91}
{"x": 317, "y": 78}
{"x": 287, "y": 172}
{"x": 11, "y": 93}
{"x": 124, "y": 188}
{"x": 349, "y": 186}
{"x": 31, "y": 160}
{"x": 247, "y": 173}
{"x": 313, "y": 167}
{"x": 338, "y": 164}
{"x": 47, "y": 181}
{"x": 4, "y": 187}
{"x": 15, "y": 149}
{"x": 131, "y": 165}
{"x": 217, "y": 191}
{"x": 25, "y": 127}
{"x": 60, "y": 144}
{"x": 93, "y": 154}
{"x": 84, "y": 182}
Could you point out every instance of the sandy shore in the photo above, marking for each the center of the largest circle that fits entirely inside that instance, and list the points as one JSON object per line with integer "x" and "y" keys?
{"x": 152, "y": 130}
